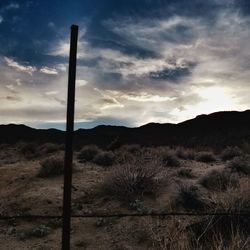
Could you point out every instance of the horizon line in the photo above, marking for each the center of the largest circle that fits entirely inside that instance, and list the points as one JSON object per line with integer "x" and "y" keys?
{"x": 60, "y": 125}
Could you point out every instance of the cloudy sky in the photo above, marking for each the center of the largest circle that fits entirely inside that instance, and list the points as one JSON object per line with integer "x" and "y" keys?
{"x": 139, "y": 61}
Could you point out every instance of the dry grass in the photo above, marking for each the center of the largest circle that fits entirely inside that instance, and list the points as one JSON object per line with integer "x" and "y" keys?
{"x": 185, "y": 153}
{"x": 189, "y": 197}
{"x": 51, "y": 167}
{"x": 240, "y": 164}
{"x": 104, "y": 159}
{"x": 130, "y": 180}
{"x": 48, "y": 148}
{"x": 206, "y": 157}
{"x": 185, "y": 173}
{"x": 169, "y": 159}
{"x": 87, "y": 153}
{"x": 230, "y": 152}
{"x": 28, "y": 150}
{"x": 139, "y": 185}
{"x": 219, "y": 180}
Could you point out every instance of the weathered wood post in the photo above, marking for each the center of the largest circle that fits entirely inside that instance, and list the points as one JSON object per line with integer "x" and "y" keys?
{"x": 69, "y": 140}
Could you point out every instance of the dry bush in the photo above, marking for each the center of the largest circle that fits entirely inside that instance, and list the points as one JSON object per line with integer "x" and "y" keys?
{"x": 185, "y": 153}
{"x": 226, "y": 228}
{"x": 51, "y": 167}
{"x": 232, "y": 201}
{"x": 206, "y": 157}
{"x": 246, "y": 147}
{"x": 229, "y": 229}
{"x": 28, "y": 149}
{"x": 218, "y": 180}
{"x": 186, "y": 173}
{"x": 168, "y": 233}
{"x": 36, "y": 232}
{"x": 131, "y": 148}
{"x": 48, "y": 148}
{"x": 169, "y": 159}
{"x": 230, "y": 152}
{"x": 137, "y": 178}
{"x": 193, "y": 233}
{"x": 122, "y": 157}
{"x": 190, "y": 198}
{"x": 240, "y": 164}
{"x": 128, "y": 153}
{"x": 87, "y": 153}
{"x": 219, "y": 232}
{"x": 104, "y": 159}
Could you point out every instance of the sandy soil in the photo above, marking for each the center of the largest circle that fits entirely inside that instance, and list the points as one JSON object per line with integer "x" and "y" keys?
{"x": 22, "y": 192}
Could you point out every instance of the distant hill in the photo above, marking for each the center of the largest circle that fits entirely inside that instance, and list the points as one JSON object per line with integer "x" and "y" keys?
{"x": 217, "y": 129}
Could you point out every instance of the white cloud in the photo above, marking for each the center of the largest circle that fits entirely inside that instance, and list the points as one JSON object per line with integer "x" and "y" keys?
{"x": 18, "y": 82}
{"x": 62, "y": 49}
{"x": 62, "y": 67}
{"x": 49, "y": 71}
{"x": 146, "y": 97}
{"x": 52, "y": 92}
{"x": 1, "y": 19}
{"x": 62, "y": 46}
{"x": 10, "y": 87}
{"x": 19, "y": 67}
{"x": 80, "y": 83}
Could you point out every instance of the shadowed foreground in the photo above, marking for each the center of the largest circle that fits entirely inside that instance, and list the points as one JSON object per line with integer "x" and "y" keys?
{"x": 128, "y": 179}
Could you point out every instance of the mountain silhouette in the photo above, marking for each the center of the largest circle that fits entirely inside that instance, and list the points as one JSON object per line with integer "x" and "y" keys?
{"x": 218, "y": 130}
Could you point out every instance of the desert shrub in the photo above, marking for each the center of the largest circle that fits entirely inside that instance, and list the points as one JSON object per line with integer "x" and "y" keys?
{"x": 246, "y": 147}
{"x": 240, "y": 164}
{"x": 122, "y": 157}
{"x": 131, "y": 148}
{"x": 218, "y": 180}
{"x": 49, "y": 148}
{"x": 54, "y": 223}
{"x": 169, "y": 159}
{"x": 104, "y": 159}
{"x": 189, "y": 198}
{"x": 200, "y": 233}
{"x": 185, "y": 153}
{"x": 88, "y": 153}
{"x": 186, "y": 173}
{"x": 28, "y": 150}
{"x": 133, "y": 179}
{"x": 51, "y": 167}
{"x": 169, "y": 233}
{"x": 205, "y": 157}
{"x": 232, "y": 201}
{"x": 230, "y": 152}
{"x": 138, "y": 206}
{"x": 128, "y": 153}
{"x": 36, "y": 232}
{"x": 4, "y": 146}
{"x": 220, "y": 230}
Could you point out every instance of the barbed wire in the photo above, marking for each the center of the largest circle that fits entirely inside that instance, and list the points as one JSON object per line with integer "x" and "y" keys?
{"x": 120, "y": 215}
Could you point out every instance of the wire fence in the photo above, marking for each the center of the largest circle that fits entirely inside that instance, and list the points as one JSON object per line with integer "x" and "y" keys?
{"x": 121, "y": 215}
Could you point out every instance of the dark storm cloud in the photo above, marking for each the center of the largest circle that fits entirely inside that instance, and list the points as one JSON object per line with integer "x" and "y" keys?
{"x": 170, "y": 75}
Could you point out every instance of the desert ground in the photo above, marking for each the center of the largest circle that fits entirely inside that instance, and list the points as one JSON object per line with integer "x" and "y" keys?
{"x": 130, "y": 179}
